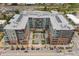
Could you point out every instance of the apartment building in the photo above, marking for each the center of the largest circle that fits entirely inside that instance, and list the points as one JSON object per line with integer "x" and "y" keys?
{"x": 56, "y": 30}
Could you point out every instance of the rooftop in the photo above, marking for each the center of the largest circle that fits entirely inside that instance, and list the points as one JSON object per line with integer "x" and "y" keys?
{"x": 19, "y": 21}
{"x": 60, "y": 23}
{"x": 73, "y": 18}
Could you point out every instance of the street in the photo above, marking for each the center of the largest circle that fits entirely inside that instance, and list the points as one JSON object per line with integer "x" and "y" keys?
{"x": 45, "y": 51}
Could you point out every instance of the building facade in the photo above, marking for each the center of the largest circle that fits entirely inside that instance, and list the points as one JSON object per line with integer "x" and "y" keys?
{"x": 54, "y": 27}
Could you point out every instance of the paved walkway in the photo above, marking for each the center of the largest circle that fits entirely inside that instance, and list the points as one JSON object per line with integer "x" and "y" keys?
{"x": 35, "y": 53}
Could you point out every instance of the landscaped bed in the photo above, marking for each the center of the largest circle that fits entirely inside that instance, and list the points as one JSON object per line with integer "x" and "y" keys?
{"x": 42, "y": 41}
{"x": 1, "y": 35}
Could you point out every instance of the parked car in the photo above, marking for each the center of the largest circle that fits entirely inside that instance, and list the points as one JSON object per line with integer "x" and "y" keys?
{"x": 37, "y": 48}
{"x": 25, "y": 51}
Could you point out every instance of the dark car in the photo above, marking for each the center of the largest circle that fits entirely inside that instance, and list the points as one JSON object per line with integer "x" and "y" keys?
{"x": 25, "y": 51}
{"x": 17, "y": 48}
{"x": 51, "y": 48}
{"x": 37, "y": 48}
{"x": 22, "y": 48}
{"x": 32, "y": 48}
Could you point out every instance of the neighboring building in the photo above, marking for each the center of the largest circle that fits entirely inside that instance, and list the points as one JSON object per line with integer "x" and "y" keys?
{"x": 7, "y": 10}
{"x": 2, "y": 24}
{"x": 74, "y": 20}
{"x": 56, "y": 29}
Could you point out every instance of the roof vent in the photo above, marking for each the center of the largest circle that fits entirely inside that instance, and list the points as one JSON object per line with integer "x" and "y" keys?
{"x": 65, "y": 26}
{"x": 68, "y": 27}
{"x": 15, "y": 22}
{"x": 61, "y": 25}
{"x": 15, "y": 25}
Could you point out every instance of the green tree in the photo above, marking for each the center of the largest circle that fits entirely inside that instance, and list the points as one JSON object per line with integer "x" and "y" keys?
{"x": 4, "y": 16}
{"x": 45, "y": 9}
{"x": 74, "y": 13}
{"x": 17, "y": 12}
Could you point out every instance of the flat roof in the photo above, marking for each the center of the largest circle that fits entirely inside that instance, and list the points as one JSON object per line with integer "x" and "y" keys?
{"x": 58, "y": 22}
{"x": 73, "y": 18}
{"x": 17, "y": 25}
{"x": 14, "y": 18}
{"x": 19, "y": 21}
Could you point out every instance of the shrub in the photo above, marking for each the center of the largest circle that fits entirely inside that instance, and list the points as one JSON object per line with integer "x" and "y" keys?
{"x": 43, "y": 41}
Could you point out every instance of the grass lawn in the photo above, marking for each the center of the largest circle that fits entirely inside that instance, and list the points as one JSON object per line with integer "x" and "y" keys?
{"x": 33, "y": 42}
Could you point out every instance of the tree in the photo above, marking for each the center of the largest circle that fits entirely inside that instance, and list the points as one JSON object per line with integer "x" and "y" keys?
{"x": 14, "y": 4}
{"x": 45, "y": 8}
{"x": 4, "y": 16}
{"x": 74, "y": 13}
{"x": 17, "y": 12}
{"x": 8, "y": 18}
